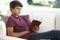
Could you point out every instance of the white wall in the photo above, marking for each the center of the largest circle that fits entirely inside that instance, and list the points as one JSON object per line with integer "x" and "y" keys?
{"x": 58, "y": 21}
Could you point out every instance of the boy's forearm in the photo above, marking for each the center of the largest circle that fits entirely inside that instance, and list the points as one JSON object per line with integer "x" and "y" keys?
{"x": 19, "y": 34}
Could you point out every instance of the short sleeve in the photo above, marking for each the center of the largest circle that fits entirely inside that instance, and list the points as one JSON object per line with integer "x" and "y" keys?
{"x": 10, "y": 22}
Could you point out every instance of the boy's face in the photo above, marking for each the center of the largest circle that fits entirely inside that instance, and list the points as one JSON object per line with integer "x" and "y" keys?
{"x": 16, "y": 10}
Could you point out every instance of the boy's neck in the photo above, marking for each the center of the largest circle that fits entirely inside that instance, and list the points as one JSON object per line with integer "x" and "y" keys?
{"x": 15, "y": 15}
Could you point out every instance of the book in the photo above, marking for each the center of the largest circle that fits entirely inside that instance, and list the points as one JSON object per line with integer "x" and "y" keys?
{"x": 33, "y": 24}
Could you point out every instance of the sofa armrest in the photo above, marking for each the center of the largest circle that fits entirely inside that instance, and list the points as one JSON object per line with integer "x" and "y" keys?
{"x": 9, "y": 38}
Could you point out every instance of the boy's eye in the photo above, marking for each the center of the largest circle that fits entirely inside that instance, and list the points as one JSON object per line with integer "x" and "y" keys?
{"x": 19, "y": 8}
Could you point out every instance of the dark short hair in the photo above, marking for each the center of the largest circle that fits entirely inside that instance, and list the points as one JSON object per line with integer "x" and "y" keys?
{"x": 13, "y": 4}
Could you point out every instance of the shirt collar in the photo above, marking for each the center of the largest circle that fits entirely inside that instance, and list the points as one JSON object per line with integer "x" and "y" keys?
{"x": 15, "y": 16}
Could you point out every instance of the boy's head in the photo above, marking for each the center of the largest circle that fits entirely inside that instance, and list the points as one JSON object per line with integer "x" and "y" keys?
{"x": 15, "y": 7}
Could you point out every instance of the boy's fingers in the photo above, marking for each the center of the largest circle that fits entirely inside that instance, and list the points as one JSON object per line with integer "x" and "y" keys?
{"x": 36, "y": 27}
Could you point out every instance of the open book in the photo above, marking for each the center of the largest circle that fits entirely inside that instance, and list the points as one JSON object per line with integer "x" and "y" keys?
{"x": 33, "y": 24}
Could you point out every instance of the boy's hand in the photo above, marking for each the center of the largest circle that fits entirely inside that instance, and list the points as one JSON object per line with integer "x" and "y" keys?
{"x": 35, "y": 29}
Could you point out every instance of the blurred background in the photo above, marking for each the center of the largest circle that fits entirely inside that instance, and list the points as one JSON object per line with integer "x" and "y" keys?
{"x": 4, "y": 4}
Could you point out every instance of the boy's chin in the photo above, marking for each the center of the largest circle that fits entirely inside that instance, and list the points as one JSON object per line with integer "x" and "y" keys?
{"x": 17, "y": 14}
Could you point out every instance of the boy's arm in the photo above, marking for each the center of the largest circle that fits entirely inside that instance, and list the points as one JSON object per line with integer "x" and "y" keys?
{"x": 11, "y": 33}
